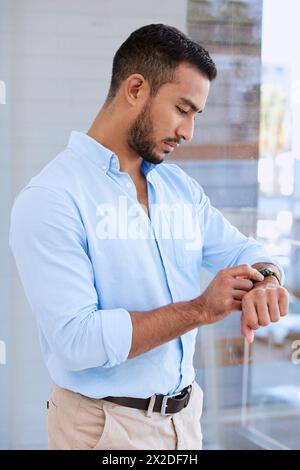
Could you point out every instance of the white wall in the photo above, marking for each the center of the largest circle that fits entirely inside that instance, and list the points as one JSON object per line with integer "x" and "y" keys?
{"x": 55, "y": 58}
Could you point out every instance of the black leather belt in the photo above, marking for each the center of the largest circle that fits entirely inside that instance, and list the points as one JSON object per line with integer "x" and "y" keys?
{"x": 164, "y": 404}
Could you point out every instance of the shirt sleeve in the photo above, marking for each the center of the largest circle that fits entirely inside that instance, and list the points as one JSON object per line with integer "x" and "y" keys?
{"x": 224, "y": 245}
{"x": 48, "y": 241}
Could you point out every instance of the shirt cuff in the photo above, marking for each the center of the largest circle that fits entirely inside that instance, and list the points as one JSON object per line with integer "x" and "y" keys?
{"x": 117, "y": 335}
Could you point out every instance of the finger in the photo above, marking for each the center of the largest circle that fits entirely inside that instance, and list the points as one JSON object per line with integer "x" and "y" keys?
{"x": 247, "y": 332}
{"x": 238, "y": 294}
{"x": 246, "y": 271}
{"x": 262, "y": 308}
{"x": 283, "y": 302}
{"x": 241, "y": 277}
{"x": 242, "y": 284}
{"x": 249, "y": 312}
{"x": 273, "y": 305}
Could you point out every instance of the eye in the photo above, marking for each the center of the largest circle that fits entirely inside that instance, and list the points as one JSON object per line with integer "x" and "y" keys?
{"x": 181, "y": 111}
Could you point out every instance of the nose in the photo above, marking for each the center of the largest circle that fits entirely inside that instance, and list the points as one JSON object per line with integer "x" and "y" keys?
{"x": 186, "y": 129}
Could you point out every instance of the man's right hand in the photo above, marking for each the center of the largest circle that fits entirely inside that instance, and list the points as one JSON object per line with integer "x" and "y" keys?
{"x": 225, "y": 293}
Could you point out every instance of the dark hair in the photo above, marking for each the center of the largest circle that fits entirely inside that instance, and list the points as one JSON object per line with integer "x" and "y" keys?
{"x": 155, "y": 51}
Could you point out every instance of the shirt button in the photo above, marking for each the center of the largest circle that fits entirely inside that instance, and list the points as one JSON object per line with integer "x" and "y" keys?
{"x": 104, "y": 167}
{"x": 129, "y": 185}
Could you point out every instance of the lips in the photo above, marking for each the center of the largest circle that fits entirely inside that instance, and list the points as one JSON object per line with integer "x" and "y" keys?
{"x": 171, "y": 145}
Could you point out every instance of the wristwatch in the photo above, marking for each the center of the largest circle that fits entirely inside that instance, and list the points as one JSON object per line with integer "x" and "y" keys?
{"x": 269, "y": 272}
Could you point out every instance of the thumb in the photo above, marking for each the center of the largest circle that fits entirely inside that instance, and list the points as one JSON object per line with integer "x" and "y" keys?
{"x": 247, "y": 332}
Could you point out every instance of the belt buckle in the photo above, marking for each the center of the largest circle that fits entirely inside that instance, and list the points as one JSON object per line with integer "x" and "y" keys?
{"x": 165, "y": 399}
{"x": 164, "y": 405}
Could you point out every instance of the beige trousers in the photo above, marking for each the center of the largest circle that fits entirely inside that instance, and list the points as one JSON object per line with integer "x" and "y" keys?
{"x": 79, "y": 422}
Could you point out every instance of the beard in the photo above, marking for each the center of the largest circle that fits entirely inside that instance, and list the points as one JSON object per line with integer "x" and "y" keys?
{"x": 141, "y": 136}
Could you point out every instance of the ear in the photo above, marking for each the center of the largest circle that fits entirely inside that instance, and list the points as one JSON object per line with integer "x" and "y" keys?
{"x": 136, "y": 89}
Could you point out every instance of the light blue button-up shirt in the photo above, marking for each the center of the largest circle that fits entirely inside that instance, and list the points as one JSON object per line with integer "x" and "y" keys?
{"x": 88, "y": 254}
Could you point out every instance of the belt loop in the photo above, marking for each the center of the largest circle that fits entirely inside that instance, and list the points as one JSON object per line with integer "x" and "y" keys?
{"x": 149, "y": 410}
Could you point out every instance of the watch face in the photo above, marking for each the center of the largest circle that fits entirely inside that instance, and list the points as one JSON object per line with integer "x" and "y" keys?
{"x": 266, "y": 272}
{"x": 269, "y": 272}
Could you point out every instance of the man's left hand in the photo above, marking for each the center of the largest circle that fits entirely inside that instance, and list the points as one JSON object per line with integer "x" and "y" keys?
{"x": 265, "y": 303}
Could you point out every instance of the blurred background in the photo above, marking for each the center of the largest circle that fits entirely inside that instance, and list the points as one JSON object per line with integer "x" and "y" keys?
{"x": 55, "y": 66}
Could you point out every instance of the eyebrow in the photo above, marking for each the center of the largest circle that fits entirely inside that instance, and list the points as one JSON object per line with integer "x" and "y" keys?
{"x": 191, "y": 104}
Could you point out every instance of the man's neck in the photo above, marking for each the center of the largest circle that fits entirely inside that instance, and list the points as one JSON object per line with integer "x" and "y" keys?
{"x": 114, "y": 137}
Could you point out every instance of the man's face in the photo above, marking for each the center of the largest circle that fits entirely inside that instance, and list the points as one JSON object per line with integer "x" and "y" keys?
{"x": 168, "y": 117}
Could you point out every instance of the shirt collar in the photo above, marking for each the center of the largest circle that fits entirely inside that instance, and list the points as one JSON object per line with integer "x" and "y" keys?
{"x": 84, "y": 145}
{"x": 147, "y": 167}
{"x": 104, "y": 158}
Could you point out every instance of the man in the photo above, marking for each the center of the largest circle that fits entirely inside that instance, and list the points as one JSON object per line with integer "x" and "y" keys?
{"x": 109, "y": 241}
